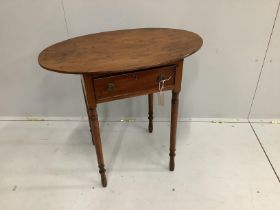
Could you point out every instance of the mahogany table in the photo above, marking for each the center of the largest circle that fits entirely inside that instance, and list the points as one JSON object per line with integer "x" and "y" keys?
{"x": 125, "y": 63}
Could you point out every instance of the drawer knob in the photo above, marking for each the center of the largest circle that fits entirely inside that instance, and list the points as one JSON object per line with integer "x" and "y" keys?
{"x": 135, "y": 76}
{"x": 110, "y": 87}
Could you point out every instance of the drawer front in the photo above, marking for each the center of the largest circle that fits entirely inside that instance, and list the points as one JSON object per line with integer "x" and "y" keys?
{"x": 132, "y": 84}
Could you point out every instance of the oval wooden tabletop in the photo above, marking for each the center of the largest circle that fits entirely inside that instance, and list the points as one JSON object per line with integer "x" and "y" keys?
{"x": 119, "y": 51}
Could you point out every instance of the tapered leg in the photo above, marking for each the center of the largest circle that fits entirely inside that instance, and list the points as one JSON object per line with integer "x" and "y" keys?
{"x": 87, "y": 113}
{"x": 150, "y": 117}
{"x": 173, "y": 128}
{"x": 98, "y": 147}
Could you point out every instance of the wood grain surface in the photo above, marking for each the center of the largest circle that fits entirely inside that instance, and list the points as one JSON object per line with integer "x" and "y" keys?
{"x": 120, "y": 51}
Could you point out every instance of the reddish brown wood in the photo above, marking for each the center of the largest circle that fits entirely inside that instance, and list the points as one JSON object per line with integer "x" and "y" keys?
{"x": 89, "y": 91}
{"x": 120, "y": 51}
{"x": 174, "y": 113}
{"x": 98, "y": 147}
{"x": 178, "y": 77}
{"x": 133, "y": 84}
{"x": 93, "y": 117}
{"x": 123, "y": 64}
{"x": 173, "y": 128}
{"x": 89, "y": 121}
{"x": 140, "y": 93}
{"x": 150, "y": 116}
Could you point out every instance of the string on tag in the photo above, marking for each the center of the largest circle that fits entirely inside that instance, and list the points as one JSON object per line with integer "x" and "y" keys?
{"x": 160, "y": 88}
{"x": 161, "y": 83}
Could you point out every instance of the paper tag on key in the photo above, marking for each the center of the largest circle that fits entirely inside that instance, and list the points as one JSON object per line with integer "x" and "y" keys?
{"x": 160, "y": 98}
{"x": 161, "y": 93}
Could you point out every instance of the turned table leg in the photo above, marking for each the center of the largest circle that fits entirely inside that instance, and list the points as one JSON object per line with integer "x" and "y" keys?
{"x": 173, "y": 128}
{"x": 150, "y": 116}
{"x": 94, "y": 125}
{"x": 98, "y": 146}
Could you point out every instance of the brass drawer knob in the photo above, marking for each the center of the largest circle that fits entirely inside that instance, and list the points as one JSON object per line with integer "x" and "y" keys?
{"x": 110, "y": 87}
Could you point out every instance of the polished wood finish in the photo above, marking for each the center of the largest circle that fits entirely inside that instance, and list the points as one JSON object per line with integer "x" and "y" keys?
{"x": 120, "y": 51}
{"x": 178, "y": 75}
{"x": 93, "y": 118}
{"x": 174, "y": 114}
{"x": 151, "y": 112}
{"x": 98, "y": 147}
{"x": 121, "y": 64}
{"x": 133, "y": 84}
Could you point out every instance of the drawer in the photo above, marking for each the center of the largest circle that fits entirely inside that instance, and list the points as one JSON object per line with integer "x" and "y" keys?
{"x": 133, "y": 84}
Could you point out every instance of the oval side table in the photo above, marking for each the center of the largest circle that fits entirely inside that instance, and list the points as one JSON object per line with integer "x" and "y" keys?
{"x": 121, "y": 64}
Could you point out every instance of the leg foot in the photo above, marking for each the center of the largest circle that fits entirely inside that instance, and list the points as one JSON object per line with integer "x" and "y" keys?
{"x": 150, "y": 127}
{"x": 172, "y": 162}
{"x": 103, "y": 175}
{"x": 150, "y": 117}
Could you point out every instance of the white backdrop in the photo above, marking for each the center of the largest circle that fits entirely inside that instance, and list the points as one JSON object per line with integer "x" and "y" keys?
{"x": 218, "y": 81}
